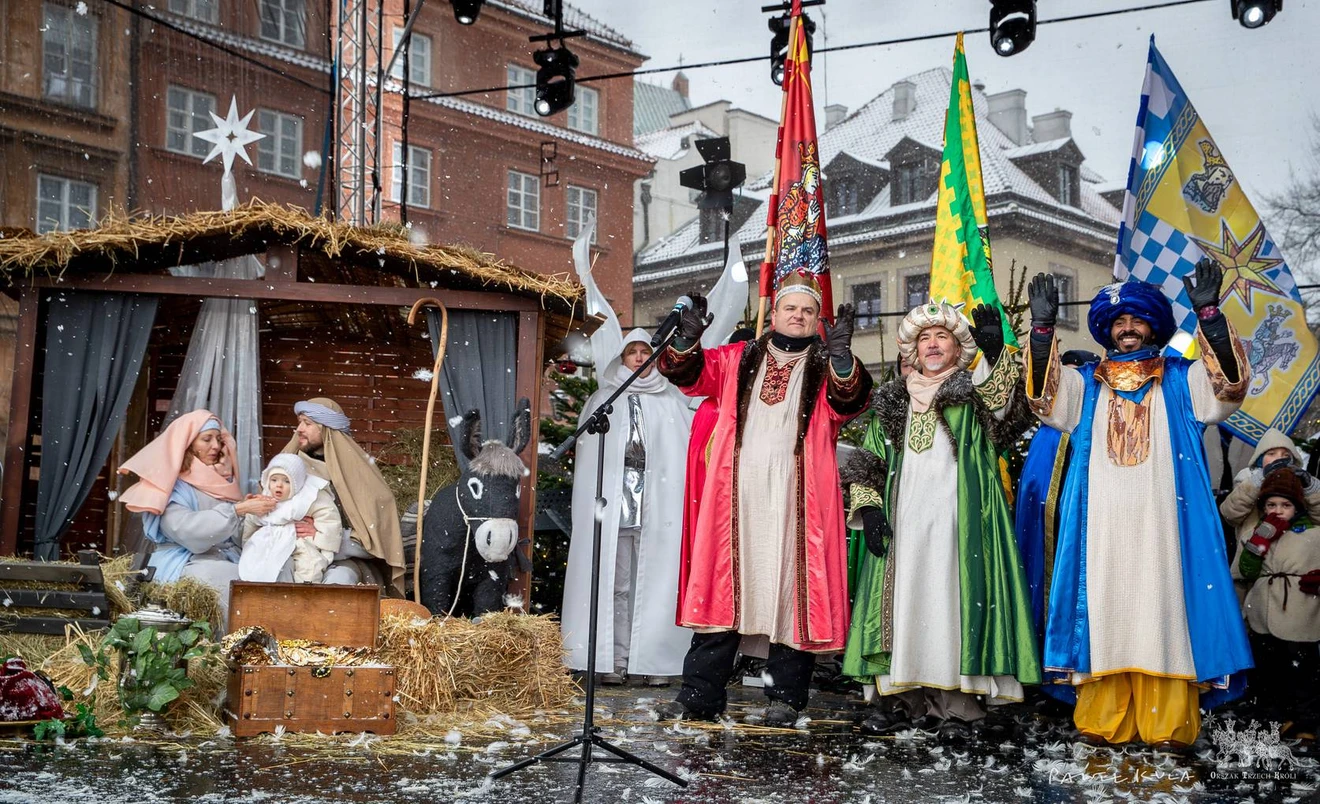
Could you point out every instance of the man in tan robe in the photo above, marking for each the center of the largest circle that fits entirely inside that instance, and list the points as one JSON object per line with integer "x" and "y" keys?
{"x": 372, "y": 549}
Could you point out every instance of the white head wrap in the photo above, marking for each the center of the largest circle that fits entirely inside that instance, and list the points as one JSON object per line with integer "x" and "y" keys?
{"x": 935, "y": 314}
{"x": 289, "y": 465}
{"x": 322, "y": 415}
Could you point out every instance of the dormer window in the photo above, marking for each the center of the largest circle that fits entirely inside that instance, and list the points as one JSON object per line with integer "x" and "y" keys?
{"x": 1069, "y": 190}
{"x": 844, "y": 196}
{"x": 914, "y": 181}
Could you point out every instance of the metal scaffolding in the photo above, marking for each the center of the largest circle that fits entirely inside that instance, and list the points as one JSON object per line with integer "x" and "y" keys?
{"x": 357, "y": 109}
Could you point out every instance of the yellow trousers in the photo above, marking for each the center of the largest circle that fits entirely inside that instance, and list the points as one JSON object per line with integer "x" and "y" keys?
{"x": 1121, "y": 707}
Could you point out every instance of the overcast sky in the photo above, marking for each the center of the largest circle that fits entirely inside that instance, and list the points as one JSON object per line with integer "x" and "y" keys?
{"x": 1256, "y": 89}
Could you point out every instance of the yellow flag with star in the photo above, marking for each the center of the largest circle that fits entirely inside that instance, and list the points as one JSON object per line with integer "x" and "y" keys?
{"x": 1183, "y": 203}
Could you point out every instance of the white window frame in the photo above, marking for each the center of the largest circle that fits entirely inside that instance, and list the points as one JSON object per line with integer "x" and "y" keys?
{"x": 418, "y": 54}
{"x": 584, "y": 114}
{"x": 520, "y": 101}
{"x": 419, "y": 182}
{"x": 868, "y": 319}
{"x": 62, "y": 87}
{"x": 200, "y": 10}
{"x": 1069, "y": 179}
{"x": 515, "y": 200}
{"x": 290, "y": 21}
{"x": 195, "y": 120}
{"x": 66, "y": 185}
{"x": 577, "y": 213}
{"x": 916, "y": 274}
{"x": 1066, "y": 278}
{"x": 270, "y": 148}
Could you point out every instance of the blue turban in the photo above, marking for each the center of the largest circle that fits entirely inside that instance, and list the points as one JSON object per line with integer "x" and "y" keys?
{"x": 1140, "y": 299}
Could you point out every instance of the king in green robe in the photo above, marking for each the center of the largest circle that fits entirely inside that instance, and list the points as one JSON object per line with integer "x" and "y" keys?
{"x": 942, "y": 621}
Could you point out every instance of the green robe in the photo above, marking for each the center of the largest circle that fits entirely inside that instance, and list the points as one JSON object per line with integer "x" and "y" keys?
{"x": 997, "y": 631}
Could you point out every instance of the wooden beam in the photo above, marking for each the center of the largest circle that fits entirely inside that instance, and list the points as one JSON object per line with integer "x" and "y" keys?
{"x": 48, "y": 572}
{"x": 48, "y": 625}
{"x": 531, "y": 353}
{"x": 20, "y": 410}
{"x": 94, "y": 602}
{"x": 275, "y": 290}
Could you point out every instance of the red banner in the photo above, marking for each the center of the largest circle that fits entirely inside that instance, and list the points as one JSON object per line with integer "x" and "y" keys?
{"x": 795, "y": 234}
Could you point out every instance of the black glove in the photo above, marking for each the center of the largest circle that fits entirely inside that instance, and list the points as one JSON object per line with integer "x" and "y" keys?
{"x": 1043, "y": 296}
{"x": 1304, "y": 477}
{"x": 838, "y": 337}
{"x": 988, "y": 331}
{"x": 1274, "y": 466}
{"x": 1205, "y": 293}
{"x": 692, "y": 321}
{"x": 875, "y": 526}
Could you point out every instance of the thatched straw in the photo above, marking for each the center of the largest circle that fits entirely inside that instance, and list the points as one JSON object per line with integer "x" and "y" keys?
{"x": 189, "y": 597}
{"x": 115, "y": 574}
{"x": 34, "y": 648}
{"x": 118, "y": 238}
{"x": 510, "y": 663}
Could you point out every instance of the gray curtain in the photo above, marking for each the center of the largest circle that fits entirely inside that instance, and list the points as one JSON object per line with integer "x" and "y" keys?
{"x": 95, "y": 343}
{"x": 479, "y": 371}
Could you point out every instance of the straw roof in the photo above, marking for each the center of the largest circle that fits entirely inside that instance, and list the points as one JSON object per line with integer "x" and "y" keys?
{"x": 149, "y": 243}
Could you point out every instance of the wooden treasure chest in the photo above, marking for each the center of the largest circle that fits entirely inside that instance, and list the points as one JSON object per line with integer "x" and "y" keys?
{"x": 325, "y": 697}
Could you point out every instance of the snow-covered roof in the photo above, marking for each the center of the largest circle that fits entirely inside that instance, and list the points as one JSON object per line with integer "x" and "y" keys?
{"x": 536, "y": 124}
{"x": 1035, "y": 148}
{"x": 210, "y": 33}
{"x": 868, "y": 135}
{"x": 668, "y": 143}
{"x": 652, "y": 106}
{"x": 575, "y": 19}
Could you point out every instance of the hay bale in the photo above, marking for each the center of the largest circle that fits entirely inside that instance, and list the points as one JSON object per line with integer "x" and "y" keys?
{"x": 512, "y": 663}
{"x": 189, "y": 597}
{"x": 34, "y": 648}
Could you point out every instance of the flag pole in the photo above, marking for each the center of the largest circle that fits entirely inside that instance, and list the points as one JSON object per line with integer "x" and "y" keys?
{"x": 772, "y": 218}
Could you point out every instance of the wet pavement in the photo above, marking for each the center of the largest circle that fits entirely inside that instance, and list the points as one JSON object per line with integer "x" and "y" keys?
{"x": 1020, "y": 755}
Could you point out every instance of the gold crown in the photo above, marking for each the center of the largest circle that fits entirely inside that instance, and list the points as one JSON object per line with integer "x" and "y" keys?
{"x": 800, "y": 282}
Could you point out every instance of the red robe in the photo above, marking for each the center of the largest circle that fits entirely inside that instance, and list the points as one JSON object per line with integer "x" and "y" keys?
{"x": 703, "y": 427}
{"x": 709, "y": 589}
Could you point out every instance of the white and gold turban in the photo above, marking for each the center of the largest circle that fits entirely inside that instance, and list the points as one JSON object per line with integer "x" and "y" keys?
{"x": 935, "y": 314}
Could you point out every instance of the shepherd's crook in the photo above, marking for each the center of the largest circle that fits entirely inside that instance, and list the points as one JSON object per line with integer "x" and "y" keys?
{"x": 426, "y": 434}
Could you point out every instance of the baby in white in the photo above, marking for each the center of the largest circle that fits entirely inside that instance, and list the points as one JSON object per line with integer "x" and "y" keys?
{"x": 271, "y": 542}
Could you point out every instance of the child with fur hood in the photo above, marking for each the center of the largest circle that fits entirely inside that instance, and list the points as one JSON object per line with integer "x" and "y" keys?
{"x": 272, "y": 548}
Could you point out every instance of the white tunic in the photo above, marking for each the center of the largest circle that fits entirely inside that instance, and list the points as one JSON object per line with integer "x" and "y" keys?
{"x": 1134, "y": 582}
{"x": 927, "y": 619}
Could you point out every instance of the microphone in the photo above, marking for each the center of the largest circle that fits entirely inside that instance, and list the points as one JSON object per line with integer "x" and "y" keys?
{"x": 671, "y": 321}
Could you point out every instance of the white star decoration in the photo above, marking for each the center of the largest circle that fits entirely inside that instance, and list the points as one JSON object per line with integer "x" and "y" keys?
{"x": 229, "y": 136}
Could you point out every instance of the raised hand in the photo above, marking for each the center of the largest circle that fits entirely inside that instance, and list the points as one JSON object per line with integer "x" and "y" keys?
{"x": 838, "y": 338}
{"x": 988, "y": 331}
{"x": 1043, "y": 296}
{"x": 1205, "y": 293}
{"x": 692, "y": 321}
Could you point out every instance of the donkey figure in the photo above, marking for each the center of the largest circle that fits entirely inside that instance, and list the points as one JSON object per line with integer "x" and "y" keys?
{"x": 470, "y": 531}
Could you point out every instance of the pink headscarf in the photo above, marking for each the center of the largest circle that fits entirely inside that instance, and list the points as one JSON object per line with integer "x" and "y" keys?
{"x": 158, "y": 464}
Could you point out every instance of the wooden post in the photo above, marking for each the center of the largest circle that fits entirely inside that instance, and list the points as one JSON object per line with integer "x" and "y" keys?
{"x": 531, "y": 357}
{"x": 20, "y": 412}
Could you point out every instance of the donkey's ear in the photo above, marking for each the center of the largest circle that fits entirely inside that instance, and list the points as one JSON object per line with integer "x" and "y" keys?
{"x": 522, "y": 427}
{"x": 469, "y": 433}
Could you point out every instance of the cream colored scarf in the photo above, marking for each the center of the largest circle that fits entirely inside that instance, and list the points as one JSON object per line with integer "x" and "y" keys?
{"x": 922, "y": 389}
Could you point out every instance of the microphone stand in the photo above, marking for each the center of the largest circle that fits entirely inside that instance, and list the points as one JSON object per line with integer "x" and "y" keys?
{"x": 598, "y": 423}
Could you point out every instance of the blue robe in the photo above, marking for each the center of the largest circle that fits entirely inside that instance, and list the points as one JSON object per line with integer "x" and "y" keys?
{"x": 1220, "y": 651}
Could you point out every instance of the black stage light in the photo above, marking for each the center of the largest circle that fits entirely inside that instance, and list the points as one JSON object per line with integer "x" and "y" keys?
{"x": 466, "y": 11}
{"x": 779, "y": 30}
{"x": 717, "y": 178}
{"x": 554, "y": 79}
{"x": 1012, "y": 25}
{"x": 1255, "y": 13}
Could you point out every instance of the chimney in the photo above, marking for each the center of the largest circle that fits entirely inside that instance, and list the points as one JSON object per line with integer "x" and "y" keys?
{"x": 905, "y": 100}
{"x": 834, "y": 115}
{"x": 1055, "y": 125}
{"x": 1008, "y": 113}
{"x": 680, "y": 84}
